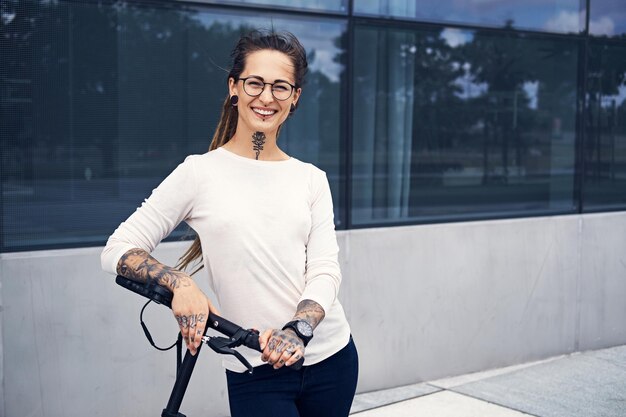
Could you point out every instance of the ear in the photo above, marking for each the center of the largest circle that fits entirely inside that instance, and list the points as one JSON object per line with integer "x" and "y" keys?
{"x": 296, "y": 96}
{"x": 232, "y": 87}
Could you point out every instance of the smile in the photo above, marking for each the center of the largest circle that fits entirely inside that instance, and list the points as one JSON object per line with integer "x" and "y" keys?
{"x": 263, "y": 112}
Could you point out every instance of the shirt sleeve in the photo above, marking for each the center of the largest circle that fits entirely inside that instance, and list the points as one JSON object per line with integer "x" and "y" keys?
{"x": 169, "y": 204}
{"x": 322, "y": 275}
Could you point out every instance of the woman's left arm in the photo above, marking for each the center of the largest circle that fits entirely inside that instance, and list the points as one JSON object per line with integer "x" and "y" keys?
{"x": 322, "y": 279}
{"x": 285, "y": 347}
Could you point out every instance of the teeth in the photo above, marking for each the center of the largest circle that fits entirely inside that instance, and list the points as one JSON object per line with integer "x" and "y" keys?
{"x": 264, "y": 112}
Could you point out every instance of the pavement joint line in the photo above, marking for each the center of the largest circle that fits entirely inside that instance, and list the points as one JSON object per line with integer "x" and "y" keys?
{"x": 443, "y": 390}
{"x": 399, "y": 401}
{"x": 494, "y": 403}
{"x": 464, "y": 379}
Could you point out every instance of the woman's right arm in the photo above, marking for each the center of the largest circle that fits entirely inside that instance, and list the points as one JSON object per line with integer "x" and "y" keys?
{"x": 127, "y": 251}
{"x": 190, "y": 305}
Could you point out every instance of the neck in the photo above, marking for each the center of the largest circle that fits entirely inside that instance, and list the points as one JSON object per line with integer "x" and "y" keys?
{"x": 256, "y": 145}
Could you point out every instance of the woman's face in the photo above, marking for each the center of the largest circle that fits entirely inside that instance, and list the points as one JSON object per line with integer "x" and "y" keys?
{"x": 264, "y": 113}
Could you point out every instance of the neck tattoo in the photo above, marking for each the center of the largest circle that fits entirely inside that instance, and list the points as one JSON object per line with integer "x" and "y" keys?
{"x": 258, "y": 140}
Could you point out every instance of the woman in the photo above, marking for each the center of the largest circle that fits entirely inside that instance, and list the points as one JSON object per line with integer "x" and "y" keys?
{"x": 265, "y": 233}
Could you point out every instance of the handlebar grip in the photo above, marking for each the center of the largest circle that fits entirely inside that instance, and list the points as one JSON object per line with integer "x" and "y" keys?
{"x": 222, "y": 325}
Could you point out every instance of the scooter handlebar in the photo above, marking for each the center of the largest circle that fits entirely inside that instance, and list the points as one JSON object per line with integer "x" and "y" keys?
{"x": 161, "y": 295}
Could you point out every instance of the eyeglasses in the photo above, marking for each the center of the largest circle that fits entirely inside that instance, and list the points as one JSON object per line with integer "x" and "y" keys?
{"x": 254, "y": 86}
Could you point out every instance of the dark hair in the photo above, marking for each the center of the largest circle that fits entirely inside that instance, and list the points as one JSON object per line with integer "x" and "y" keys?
{"x": 257, "y": 40}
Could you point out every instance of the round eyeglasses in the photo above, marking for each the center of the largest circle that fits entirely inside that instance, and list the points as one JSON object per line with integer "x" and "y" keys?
{"x": 254, "y": 86}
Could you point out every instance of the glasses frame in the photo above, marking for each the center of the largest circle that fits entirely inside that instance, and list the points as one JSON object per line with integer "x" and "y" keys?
{"x": 293, "y": 87}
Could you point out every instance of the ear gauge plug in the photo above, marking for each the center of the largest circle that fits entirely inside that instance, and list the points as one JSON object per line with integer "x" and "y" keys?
{"x": 234, "y": 99}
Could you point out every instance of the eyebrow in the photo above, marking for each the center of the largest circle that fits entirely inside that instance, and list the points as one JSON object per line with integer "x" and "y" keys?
{"x": 263, "y": 79}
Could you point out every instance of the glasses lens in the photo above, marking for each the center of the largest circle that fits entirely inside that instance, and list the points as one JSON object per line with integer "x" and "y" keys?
{"x": 253, "y": 86}
{"x": 282, "y": 91}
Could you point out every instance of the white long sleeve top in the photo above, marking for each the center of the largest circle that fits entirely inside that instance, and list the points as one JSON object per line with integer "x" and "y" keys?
{"x": 268, "y": 241}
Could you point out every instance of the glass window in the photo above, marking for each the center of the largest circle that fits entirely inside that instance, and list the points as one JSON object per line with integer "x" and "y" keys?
{"x": 455, "y": 123}
{"x": 100, "y": 102}
{"x": 607, "y": 17}
{"x": 561, "y": 16}
{"x": 605, "y": 139}
{"x": 319, "y": 5}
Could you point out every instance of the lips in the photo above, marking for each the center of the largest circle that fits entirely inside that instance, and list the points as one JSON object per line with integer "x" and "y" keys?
{"x": 265, "y": 113}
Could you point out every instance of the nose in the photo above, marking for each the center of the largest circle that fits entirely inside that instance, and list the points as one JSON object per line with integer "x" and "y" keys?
{"x": 266, "y": 95}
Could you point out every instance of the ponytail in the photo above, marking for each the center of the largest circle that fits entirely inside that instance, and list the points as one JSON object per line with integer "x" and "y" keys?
{"x": 225, "y": 130}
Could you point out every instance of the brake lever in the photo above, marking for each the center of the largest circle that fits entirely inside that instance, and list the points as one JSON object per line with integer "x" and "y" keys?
{"x": 223, "y": 345}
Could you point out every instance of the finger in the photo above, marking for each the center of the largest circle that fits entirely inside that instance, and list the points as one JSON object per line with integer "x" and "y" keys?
{"x": 193, "y": 322}
{"x": 264, "y": 338}
{"x": 269, "y": 348}
{"x": 297, "y": 355}
{"x": 277, "y": 353}
{"x": 184, "y": 330}
{"x": 182, "y": 323}
{"x": 285, "y": 356}
{"x": 201, "y": 322}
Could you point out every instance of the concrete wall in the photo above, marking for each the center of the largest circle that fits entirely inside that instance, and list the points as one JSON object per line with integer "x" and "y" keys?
{"x": 424, "y": 302}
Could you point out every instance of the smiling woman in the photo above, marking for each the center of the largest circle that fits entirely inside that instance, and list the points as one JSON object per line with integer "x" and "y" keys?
{"x": 263, "y": 109}
{"x": 265, "y": 232}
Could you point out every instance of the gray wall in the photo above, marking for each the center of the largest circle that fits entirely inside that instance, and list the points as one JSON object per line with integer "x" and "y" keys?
{"x": 424, "y": 302}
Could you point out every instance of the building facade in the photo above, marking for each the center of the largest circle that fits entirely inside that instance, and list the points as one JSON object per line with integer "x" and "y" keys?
{"x": 476, "y": 153}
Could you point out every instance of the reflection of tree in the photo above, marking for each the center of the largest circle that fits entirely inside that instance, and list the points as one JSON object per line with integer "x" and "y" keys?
{"x": 503, "y": 64}
{"x": 440, "y": 121}
{"x": 120, "y": 87}
{"x": 604, "y": 151}
{"x": 500, "y": 105}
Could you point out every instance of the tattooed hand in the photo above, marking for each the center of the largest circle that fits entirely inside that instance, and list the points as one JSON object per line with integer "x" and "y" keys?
{"x": 281, "y": 347}
{"x": 191, "y": 309}
{"x": 189, "y": 305}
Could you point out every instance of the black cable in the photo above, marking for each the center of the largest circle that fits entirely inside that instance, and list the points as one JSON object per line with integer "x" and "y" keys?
{"x": 147, "y": 333}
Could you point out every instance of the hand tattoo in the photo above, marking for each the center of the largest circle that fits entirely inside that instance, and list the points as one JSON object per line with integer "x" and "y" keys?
{"x": 183, "y": 321}
{"x": 258, "y": 140}
{"x": 272, "y": 344}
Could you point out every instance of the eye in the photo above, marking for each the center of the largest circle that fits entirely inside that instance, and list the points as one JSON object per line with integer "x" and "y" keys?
{"x": 281, "y": 87}
{"x": 255, "y": 83}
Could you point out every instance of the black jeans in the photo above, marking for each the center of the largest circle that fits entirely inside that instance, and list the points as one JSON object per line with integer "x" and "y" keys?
{"x": 325, "y": 389}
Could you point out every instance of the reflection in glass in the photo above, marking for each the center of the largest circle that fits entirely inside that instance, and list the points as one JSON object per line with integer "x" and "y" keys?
{"x": 320, "y": 5}
{"x": 607, "y": 17}
{"x": 100, "y": 102}
{"x": 605, "y": 141}
{"x": 560, "y": 16}
{"x": 461, "y": 123}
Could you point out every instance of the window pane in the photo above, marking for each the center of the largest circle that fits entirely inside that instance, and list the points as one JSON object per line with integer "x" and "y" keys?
{"x": 607, "y": 17}
{"x": 100, "y": 102}
{"x": 451, "y": 123}
{"x": 321, "y": 5}
{"x": 605, "y": 141}
{"x": 561, "y": 16}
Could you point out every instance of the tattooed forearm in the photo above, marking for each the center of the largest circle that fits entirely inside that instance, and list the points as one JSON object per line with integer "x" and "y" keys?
{"x": 138, "y": 265}
{"x": 311, "y": 312}
{"x": 258, "y": 140}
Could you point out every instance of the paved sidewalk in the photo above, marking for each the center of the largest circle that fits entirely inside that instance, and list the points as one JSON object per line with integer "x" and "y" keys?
{"x": 589, "y": 384}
